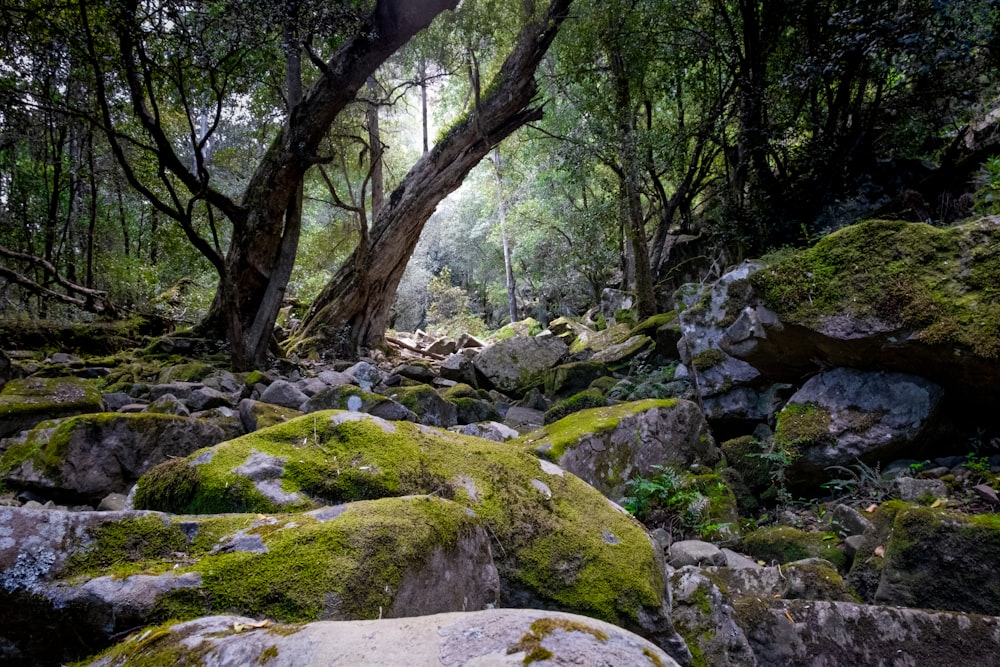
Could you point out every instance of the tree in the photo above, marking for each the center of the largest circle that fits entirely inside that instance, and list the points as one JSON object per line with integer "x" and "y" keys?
{"x": 353, "y": 310}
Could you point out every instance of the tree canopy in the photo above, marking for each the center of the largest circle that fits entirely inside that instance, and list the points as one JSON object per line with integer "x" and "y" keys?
{"x": 209, "y": 163}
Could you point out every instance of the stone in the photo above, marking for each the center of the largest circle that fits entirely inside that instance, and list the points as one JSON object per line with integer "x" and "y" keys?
{"x": 843, "y": 415}
{"x": 366, "y": 375}
{"x": 517, "y": 364}
{"x": 334, "y": 378}
{"x": 608, "y": 446}
{"x": 524, "y": 420}
{"x": 312, "y": 386}
{"x": 168, "y": 404}
{"x": 181, "y": 390}
{"x": 616, "y": 355}
{"x": 256, "y": 414}
{"x": 911, "y": 489}
{"x": 490, "y": 430}
{"x": 495, "y": 637}
{"x": 115, "y": 400}
{"x": 704, "y": 618}
{"x": 28, "y": 401}
{"x": 459, "y": 368}
{"x": 90, "y": 456}
{"x": 429, "y": 406}
{"x": 285, "y": 394}
{"x": 570, "y": 534}
{"x": 849, "y": 521}
{"x": 694, "y": 552}
{"x": 567, "y": 379}
{"x": 392, "y": 557}
{"x": 419, "y": 372}
{"x": 113, "y": 502}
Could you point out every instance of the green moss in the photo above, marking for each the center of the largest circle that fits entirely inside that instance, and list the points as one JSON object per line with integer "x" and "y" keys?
{"x": 649, "y": 325}
{"x": 553, "y": 440}
{"x": 268, "y": 654}
{"x": 416, "y": 397}
{"x": 652, "y": 657}
{"x": 117, "y": 546}
{"x": 531, "y": 642}
{"x": 708, "y": 358}
{"x": 937, "y": 282}
{"x": 191, "y": 371}
{"x": 460, "y": 390}
{"x": 804, "y": 425}
{"x": 556, "y": 544}
{"x": 580, "y": 401}
{"x": 25, "y": 399}
{"x": 784, "y": 544}
{"x": 603, "y": 384}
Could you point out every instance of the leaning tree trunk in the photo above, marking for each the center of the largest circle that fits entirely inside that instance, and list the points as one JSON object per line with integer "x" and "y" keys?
{"x": 352, "y": 310}
{"x": 264, "y": 246}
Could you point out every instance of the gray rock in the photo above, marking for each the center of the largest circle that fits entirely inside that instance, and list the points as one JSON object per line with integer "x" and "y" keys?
{"x": 524, "y": 420}
{"x": 28, "y": 401}
{"x": 632, "y": 440}
{"x": 113, "y": 502}
{"x": 418, "y": 372}
{"x": 206, "y": 398}
{"x": 365, "y": 374}
{"x": 107, "y": 452}
{"x": 334, "y": 378}
{"x": 704, "y": 617}
{"x": 490, "y": 430}
{"x": 116, "y": 400}
{"x": 168, "y": 404}
{"x": 181, "y": 390}
{"x": 459, "y": 368}
{"x": 850, "y": 521}
{"x": 843, "y": 415}
{"x": 285, "y": 394}
{"x": 494, "y": 637}
{"x": 911, "y": 489}
{"x": 517, "y": 364}
{"x": 312, "y": 386}
{"x": 694, "y": 552}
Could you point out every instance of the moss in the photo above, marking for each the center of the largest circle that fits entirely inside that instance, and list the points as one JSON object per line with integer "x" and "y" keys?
{"x": 556, "y": 545}
{"x": 531, "y": 642}
{"x": 268, "y": 654}
{"x": 938, "y": 282}
{"x": 580, "y": 401}
{"x": 460, "y": 390}
{"x": 553, "y": 440}
{"x": 191, "y": 371}
{"x": 708, "y": 358}
{"x": 804, "y": 425}
{"x": 784, "y": 544}
{"x": 30, "y": 400}
{"x": 117, "y": 546}
{"x": 416, "y": 397}
{"x": 649, "y": 325}
{"x": 603, "y": 384}
{"x": 156, "y": 646}
{"x": 652, "y": 657}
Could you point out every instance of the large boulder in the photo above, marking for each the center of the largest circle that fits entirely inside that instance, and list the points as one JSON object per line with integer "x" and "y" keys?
{"x": 28, "y": 401}
{"x": 429, "y": 406}
{"x": 517, "y": 364}
{"x": 560, "y": 543}
{"x": 608, "y": 446}
{"x": 908, "y": 297}
{"x": 86, "y": 457}
{"x": 85, "y": 579}
{"x": 843, "y": 415}
{"x": 494, "y": 637}
{"x": 930, "y": 558}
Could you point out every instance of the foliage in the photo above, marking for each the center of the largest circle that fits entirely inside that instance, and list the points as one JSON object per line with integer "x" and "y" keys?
{"x": 988, "y": 194}
{"x": 862, "y": 483}
{"x": 778, "y": 454}
{"x": 668, "y": 498}
{"x": 449, "y": 312}
{"x": 644, "y": 381}
{"x": 980, "y": 471}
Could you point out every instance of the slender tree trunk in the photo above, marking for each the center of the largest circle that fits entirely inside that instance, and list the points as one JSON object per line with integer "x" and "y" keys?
{"x": 423, "y": 102}
{"x": 505, "y": 242}
{"x": 352, "y": 310}
{"x": 375, "y": 147}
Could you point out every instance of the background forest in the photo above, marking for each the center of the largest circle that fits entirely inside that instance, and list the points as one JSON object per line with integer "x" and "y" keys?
{"x": 166, "y": 159}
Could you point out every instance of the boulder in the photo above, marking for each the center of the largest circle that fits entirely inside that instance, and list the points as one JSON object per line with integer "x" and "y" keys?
{"x": 843, "y": 415}
{"x": 429, "y": 407}
{"x": 567, "y": 379}
{"x": 352, "y": 397}
{"x": 490, "y": 430}
{"x": 417, "y": 371}
{"x": 517, "y": 364}
{"x": 608, "y": 446}
{"x": 168, "y": 404}
{"x": 459, "y": 368}
{"x": 255, "y": 414}
{"x": 562, "y": 543}
{"x": 935, "y": 559}
{"x": 392, "y": 557}
{"x": 285, "y": 394}
{"x": 86, "y": 457}
{"x": 28, "y": 401}
{"x": 617, "y": 355}
{"x": 907, "y": 297}
{"x": 495, "y": 637}
{"x": 707, "y": 311}
{"x": 694, "y": 552}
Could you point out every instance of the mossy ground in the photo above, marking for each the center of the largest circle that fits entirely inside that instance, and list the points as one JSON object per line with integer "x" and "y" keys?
{"x": 566, "y": 545}
{"x": 553, "y": 440}
{"x": 938, "y": 282}
{"x": 46, "y": 398}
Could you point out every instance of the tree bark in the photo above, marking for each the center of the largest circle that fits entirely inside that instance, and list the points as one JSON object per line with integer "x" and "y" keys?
{"x": 265, "y": 242}
{"x": 508, "y": 265}
{"x": 351, "y": 312}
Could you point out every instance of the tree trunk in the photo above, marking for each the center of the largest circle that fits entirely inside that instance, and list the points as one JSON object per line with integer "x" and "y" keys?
{"x": 352, "y": 310}
{"x": 267, "y": 240}
{"x": 505, "y": 242}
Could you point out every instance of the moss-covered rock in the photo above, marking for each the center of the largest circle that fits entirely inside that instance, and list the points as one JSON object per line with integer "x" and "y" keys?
{"x": 28, "y": 401}
{"x": 557, "y": 539}
{"x": 939, "y": 559}
{"x": 391, "y": 557}
{"x": 514, "y": 636}
{"x": 570, "y": 378}
{"x": 784, "y": 544}
{"x": 584, "y": 400}
{"x": 608, "y": 446}
{"x": 517, "y": 365}
{"x": 86, "y": 457}
{"x": 747, "y": 472}
{"x": 915, "y": 297}
{"x": 424, "y": 401}
{"x": 191, "y": 371}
